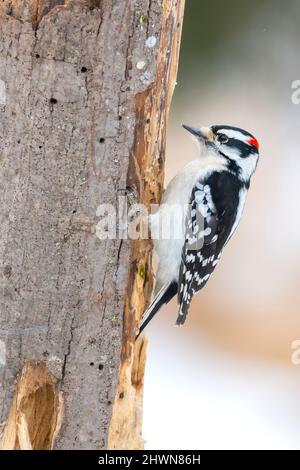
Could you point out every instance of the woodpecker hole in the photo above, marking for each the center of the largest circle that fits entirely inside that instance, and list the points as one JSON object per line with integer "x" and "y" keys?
{"x": 53, "y": 100}
{"x": 83, "y": 69}
{"x": 102, "y": 140}
{"x": 121, "y": 396}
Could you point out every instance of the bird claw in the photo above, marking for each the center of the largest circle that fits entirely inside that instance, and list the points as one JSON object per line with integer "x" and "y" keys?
{"x": 131, "y": 193}
{"x": 132, "y": 199}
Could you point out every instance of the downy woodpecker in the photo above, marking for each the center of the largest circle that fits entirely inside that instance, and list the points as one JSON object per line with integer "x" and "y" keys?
{"x": 211, "y": 189}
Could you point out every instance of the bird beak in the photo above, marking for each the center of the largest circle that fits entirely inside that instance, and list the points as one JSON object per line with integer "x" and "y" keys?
{"x": 204, "y": 133}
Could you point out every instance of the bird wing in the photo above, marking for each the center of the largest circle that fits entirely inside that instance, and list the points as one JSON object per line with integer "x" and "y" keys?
{"x": 208, "y": 227}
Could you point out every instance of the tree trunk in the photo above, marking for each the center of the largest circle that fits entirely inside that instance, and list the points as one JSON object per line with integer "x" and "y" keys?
{"x": 85, "y": 89}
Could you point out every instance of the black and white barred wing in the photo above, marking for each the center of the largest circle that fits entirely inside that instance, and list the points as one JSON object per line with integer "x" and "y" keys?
{"x": 202, "y": 246}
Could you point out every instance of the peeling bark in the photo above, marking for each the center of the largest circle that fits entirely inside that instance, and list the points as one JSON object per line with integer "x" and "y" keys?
{"x": 84, "y": 101}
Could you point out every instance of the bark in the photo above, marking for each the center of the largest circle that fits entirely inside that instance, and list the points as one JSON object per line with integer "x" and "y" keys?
{"x": 85, "y": 89}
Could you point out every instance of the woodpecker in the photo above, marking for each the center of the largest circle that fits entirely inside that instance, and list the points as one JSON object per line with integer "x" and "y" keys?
{"x": 211, "y": 189}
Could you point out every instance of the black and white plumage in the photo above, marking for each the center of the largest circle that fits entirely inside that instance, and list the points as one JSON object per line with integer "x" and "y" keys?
{"x": 210, "y": 193}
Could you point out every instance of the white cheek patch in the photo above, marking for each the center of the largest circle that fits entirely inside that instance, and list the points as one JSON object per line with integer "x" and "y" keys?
{"x": 247, "y": 165}
{"x": 231, "y": 152}
{"x": 232, "y": 134}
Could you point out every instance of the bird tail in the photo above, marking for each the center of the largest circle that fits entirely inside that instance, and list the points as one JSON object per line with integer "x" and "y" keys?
{"x": 182, "y": 316}
{"x": 163, "y": 297}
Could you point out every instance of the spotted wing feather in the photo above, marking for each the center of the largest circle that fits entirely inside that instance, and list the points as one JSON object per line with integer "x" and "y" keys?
{"x": 209, "y": 220}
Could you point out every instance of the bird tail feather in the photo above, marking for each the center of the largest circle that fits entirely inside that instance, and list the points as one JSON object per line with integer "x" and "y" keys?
{"x": 162, "y": 297}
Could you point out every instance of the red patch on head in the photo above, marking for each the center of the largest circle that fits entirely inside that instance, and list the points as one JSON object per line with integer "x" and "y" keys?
{"x": 253, "y": 142}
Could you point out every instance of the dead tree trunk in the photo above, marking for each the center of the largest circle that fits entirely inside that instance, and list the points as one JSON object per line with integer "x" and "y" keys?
{"x": 85, "y": 89}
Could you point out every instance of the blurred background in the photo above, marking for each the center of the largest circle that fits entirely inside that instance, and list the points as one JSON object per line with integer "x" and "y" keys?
{"x": 226, "y": 379}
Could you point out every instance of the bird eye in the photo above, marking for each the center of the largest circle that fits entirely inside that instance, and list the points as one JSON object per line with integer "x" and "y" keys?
{"x": 222, "y": 138}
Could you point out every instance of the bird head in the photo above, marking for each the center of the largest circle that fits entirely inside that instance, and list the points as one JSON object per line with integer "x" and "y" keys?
{"x": 237, "y": 148}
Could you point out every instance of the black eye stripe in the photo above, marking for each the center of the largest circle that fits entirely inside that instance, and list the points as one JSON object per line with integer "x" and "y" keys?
{"x": 244, "y": 148}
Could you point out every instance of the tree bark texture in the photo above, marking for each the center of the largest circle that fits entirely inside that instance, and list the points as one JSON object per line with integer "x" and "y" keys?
{"x": 85, "y": 89}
